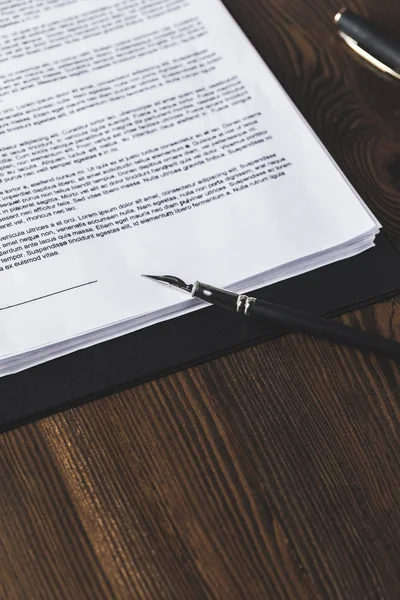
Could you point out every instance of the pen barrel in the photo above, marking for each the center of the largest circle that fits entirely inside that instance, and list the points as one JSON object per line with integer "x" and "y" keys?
{"x": 296, "y": 321}
{"x": 371, "y": 39}
{"x": 215, "y": 296}
{"x": 291, "y": 320}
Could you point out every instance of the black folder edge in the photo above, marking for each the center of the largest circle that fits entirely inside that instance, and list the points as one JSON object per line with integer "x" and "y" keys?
{"x": 157, "y": 351}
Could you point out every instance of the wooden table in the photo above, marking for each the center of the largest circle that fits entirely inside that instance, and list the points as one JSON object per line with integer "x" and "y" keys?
{"x": 273, "y": 473}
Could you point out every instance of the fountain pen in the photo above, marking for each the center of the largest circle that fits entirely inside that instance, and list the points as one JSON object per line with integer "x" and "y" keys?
{"x": 288, "y": 319}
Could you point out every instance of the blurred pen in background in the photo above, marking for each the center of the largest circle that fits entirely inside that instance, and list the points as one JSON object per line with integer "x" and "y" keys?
{"x": 379, "y": 49}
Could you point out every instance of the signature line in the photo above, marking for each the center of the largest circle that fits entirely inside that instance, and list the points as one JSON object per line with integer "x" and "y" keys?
{"x": 76, "y": 287}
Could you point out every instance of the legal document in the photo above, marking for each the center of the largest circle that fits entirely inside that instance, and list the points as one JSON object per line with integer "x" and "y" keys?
{"x": 148, "y": 136}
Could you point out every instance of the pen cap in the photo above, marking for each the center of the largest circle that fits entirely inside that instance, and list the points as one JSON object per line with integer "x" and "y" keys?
{"x": 370, "y": 38}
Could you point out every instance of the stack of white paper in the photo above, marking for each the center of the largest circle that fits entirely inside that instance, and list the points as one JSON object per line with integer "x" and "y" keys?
{"x": 148, "y": 137}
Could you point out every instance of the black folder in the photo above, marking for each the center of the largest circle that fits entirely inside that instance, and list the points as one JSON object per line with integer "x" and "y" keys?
{"x": 162, "y": 349}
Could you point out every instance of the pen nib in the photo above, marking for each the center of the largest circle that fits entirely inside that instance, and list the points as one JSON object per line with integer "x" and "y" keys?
{"x": 171, "y": 281}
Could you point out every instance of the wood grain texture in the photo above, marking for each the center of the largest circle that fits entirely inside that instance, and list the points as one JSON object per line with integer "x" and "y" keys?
{"x": 273, "y": 473}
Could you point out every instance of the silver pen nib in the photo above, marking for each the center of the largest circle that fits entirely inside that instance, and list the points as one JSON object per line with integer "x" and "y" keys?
{"x": 171, "y": 281}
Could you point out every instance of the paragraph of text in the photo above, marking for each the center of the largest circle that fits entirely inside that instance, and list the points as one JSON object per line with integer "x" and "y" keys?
{"x": 101, "y": 21}
{"x": 95, "y": 60}
{"x": 57, "y": 227}
{"x": 109, "y": 134}
{"x": 20, "y": 11}
{"x": 68, "y": 103}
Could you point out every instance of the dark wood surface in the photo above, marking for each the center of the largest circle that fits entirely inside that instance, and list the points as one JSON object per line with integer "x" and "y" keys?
{"x": 273, "y": 473}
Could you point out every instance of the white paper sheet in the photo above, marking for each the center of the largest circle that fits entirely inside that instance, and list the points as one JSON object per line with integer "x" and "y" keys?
{"x": 148, "y": 137}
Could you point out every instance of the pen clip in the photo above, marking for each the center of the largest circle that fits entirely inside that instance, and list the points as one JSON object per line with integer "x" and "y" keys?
{"x": 354, "y": 45}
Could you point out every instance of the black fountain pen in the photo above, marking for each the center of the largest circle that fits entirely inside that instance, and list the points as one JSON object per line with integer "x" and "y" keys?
{"x": 289, "y": 319}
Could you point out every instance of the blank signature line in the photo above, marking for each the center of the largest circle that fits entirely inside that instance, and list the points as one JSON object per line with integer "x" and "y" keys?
{"x": 76, "y": 287}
